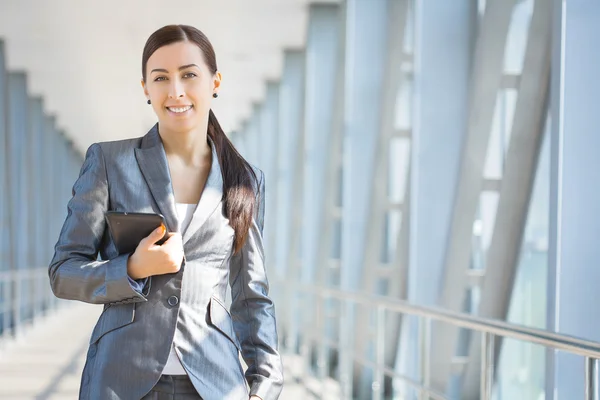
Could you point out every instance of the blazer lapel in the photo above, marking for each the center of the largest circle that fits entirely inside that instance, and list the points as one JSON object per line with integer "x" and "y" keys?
{"x": 211, "y": 196}
{"x": 152, "y": 160}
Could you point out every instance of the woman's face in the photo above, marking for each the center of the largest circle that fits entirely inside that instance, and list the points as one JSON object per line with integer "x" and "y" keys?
{"x": 180, "y": 86}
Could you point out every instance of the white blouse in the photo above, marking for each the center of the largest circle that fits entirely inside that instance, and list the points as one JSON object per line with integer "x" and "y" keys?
{"x": 184, "y": 214}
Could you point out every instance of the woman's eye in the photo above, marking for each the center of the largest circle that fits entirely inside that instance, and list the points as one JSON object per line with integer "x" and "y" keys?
{"x": 190, "y": 75}
{"x": 160, "y": 78}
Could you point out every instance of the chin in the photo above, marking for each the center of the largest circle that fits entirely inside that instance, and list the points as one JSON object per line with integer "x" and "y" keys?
{"x": 180, "y": 126}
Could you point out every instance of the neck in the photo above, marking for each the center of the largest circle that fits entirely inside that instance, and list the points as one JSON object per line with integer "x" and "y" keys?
{"x": 190, "y": 148}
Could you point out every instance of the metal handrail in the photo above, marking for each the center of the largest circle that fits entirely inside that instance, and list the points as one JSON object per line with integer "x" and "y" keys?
{"x": 557, "y": 341}
{"x": 489, "y": 329}
{"x": 35, "y": 303}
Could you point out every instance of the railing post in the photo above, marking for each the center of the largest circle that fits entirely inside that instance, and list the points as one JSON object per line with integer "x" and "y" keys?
{"x": 6, "y": 304}
{"x": 591, "y": 369}
{"x": 307, "y": 337}
{"x": 14, "y": 304}
{"x": 48, "y": 301}
{"x": 425, "y": 334}
{"x": 487, "y": 365}
{"x": 32, "y": 277}
{"x": 39, "y": 293}
{"x": 346, "y": 352}
{"x": 320, "y": 341}
{"x": 291, "y": 332}
{"x": 377, "y": 386}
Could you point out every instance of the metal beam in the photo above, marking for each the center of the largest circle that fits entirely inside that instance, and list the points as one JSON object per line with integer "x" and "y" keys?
{"x": 443, "y": 55}
{"x": 36, "y": 253}
{"x": 574, "y": 198}
{"x": 6, "y": 239}
{"x": 365, "y": 59}
{"x": 517, "y": 185}
{"x": 322, "y": 66}
{"x": 380, "y": 200}
{"x": 35, "y": 230}
{"x": 252, "y": 135}
{"x": 487, "y": 73}
{"x": 366, "y": 28}
{"x": 18, "y": 112}
{"x": 291, "y": 108}
{"x": 379, "y": 187}
{"x": 269, "y": 139}
{"x": 51, "y": 189}
{"x": 47, "y": 240}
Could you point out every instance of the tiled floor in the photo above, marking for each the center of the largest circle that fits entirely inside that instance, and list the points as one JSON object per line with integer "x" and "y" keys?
{"x": 46, "y": 363}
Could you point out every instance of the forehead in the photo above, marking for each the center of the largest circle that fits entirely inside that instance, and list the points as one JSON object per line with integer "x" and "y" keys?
{"x": 174, "y": 55}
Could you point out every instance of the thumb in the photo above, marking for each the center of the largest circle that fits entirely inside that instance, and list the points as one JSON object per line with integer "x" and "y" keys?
{"x": 155, "y": 235}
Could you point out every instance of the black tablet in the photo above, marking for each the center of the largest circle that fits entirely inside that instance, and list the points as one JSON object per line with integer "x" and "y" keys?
{"x": 128, "y": 229}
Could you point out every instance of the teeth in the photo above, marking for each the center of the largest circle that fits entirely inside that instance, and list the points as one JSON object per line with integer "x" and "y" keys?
{"x": 179, "y": 109}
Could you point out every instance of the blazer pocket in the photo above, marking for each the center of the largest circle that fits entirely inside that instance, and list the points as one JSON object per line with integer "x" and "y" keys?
{"x": 112, "y": 318}
{"x": 221, "y": 319}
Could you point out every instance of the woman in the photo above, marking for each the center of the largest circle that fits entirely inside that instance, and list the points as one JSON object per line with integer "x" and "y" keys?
{"x": 165, "y": 332}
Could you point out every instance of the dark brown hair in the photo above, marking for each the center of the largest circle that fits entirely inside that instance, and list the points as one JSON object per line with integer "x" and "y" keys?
{"x": 239, "y": 179}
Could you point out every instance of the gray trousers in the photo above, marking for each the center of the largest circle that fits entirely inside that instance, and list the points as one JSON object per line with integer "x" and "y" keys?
{"x": 173, "y": 387}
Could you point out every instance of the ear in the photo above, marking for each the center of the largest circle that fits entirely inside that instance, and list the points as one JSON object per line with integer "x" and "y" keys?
{"x": 217, "y": 80}
{"x": 145, "y": 88}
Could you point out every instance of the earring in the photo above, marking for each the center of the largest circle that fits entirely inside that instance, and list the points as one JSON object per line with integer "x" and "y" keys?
{"x": 215, "y": 95}
{"x": 149, "y": 102}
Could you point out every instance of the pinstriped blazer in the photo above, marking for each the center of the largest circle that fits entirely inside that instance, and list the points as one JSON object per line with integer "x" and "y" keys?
{"x": 131, "y": 341}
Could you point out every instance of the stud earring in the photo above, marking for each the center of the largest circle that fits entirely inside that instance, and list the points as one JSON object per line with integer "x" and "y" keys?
{"x": 149, "y": 102}
{"x": 215, "y": 95}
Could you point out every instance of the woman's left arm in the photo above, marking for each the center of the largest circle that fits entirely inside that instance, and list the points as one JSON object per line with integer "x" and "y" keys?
{"x": 253, "y": 312}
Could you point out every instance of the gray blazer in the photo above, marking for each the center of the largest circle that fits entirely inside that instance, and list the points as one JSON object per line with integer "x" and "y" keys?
{"x": 130, "y": 343}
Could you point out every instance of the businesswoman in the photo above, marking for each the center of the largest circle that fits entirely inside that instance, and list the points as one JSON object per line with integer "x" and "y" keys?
{"x": 165, "y": 332}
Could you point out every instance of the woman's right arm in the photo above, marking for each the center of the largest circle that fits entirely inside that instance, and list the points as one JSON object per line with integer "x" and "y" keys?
{"x": 74, "y": 272}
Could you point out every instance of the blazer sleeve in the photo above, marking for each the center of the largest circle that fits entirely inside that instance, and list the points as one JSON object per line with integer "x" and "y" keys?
{"x": 253, "y": 312}
{"x": 75, "y": 272}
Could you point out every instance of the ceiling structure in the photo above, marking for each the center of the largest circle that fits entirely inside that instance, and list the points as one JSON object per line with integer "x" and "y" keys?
{"x": 84, "y": 57}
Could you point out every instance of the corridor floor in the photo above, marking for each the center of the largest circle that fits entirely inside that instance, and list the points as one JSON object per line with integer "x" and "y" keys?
{"x": 46, "y": 362}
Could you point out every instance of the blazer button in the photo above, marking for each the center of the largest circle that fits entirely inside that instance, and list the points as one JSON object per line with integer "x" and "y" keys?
{"x": 173, "y": 300}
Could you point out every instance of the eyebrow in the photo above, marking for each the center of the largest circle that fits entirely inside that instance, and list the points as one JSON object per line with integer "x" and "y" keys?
{"x": 180, "y": 68}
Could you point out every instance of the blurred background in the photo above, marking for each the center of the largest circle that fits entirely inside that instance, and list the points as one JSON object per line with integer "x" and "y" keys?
{"x": 431, "y": 171}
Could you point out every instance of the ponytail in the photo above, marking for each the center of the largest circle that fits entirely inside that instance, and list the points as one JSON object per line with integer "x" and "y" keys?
{"x": 239, "y": 183}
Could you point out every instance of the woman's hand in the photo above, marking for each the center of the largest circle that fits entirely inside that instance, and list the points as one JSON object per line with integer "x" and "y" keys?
{"x": 152, "y": 259}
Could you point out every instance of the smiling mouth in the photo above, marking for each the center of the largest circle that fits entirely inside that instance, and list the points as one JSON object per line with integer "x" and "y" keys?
{"x": 179, "y": 110}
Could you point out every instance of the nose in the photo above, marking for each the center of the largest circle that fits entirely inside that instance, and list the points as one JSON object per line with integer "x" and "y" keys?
{"x": 176, "y": 89}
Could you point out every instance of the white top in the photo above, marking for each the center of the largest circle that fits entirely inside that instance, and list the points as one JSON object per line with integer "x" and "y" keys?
{"x": 184, "y": 214}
